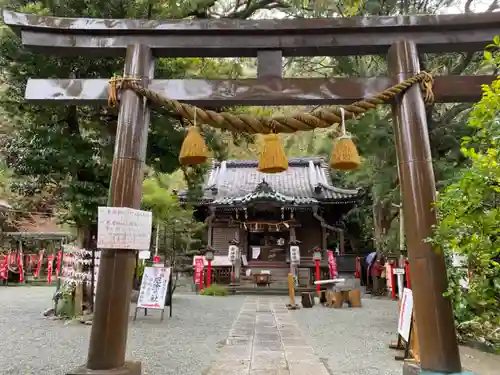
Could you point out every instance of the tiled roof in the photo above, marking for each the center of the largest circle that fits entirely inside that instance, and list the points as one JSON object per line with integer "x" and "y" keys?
{"x": 307, "y": 181}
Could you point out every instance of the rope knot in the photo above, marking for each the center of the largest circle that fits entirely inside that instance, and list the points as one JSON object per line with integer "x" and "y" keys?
{"x": 426, "y": 84}
{"x": 117, "y": 83}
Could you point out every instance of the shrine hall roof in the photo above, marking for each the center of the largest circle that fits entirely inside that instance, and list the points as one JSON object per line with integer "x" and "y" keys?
{"x": 307, "y": 181}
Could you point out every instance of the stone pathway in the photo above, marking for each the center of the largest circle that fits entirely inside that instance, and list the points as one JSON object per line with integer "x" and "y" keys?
{"x": 265, "y": 340}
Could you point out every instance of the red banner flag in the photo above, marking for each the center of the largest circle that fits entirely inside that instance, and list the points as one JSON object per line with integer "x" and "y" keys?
{"x": 58, "y": 263}
{"x": 198, "y": 271}
{"x": 50, "y": 260}
{"x": 332, "y": 264}
{"x": 12, "y": 258}
{"x": 4, "y": 267}
{"x": 20, "y": 265}
{"x": 39, "y": 263}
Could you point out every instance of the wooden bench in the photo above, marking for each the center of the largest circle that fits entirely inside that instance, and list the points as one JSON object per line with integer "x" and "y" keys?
{"x": 337, "y": 293}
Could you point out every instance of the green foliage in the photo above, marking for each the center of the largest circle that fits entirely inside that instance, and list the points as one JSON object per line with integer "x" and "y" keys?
{"x": 215, "y": 290}
{"x": 178, "y": 233}
{"x": 469, "y": 215}
{"x": 66, "y": 151}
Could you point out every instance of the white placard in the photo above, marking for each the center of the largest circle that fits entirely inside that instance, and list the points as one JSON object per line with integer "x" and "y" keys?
{"x": 398, "y": 271}
{"x": 295, "y": 254}
{"x": 124, "y": 228}
{"x": 144, "y": 254}
{"x": 154, "y": 287}
{"x": 405, "y": 314}
{"x": 232, "y": 253}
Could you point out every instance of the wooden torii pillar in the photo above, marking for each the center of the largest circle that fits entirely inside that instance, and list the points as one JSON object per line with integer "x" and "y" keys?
{"x": 139, "y": 40}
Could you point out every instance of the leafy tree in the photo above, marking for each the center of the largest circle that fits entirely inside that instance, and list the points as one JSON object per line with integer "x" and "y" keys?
{"x": 469, "y": 215}
{"x": 69, "y": 148}
{"x": 178, "y": 235}
{"x": 378, "y": 217}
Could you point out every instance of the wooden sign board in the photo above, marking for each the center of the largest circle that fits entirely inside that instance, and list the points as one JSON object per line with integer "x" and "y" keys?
{"x": 124, "y": 228}
{"x": 156, "y": 290}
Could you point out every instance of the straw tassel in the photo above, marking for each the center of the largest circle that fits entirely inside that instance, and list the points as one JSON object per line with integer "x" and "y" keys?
{"x": 194, "y": 150}
{"x": 272, "y": 158}
{"x": 345, "y": 155}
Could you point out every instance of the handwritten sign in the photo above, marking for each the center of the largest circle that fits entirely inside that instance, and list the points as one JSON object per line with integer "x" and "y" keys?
{"x": 154, "y": 288}
{"x": 405, "y": 314}
{"x": 398, "y": 271}
{"x": 124, "y": 228}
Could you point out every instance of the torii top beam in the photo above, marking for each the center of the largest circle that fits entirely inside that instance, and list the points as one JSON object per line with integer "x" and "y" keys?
{"x": 237, "y": 38}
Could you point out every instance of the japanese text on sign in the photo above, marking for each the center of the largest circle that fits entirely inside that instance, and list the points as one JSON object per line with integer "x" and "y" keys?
{"x": 154, "y": 288}
{"x": 124, "y": 228}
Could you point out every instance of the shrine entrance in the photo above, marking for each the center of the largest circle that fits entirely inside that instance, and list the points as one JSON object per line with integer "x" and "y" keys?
{"x": 401, "y": 38}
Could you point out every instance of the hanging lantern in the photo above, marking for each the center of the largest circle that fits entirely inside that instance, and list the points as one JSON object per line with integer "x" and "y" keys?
{"x": 345, "y": 155}
{"x": 317, "y": 254}
{"x": 209, "y": 254}
{"x": 295, "y": 254}
{"x": 272, "y": 158}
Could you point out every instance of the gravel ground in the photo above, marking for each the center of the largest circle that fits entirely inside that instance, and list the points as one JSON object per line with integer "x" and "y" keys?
{"x": 353, "y": 341}
{"x": 183, "y": 345}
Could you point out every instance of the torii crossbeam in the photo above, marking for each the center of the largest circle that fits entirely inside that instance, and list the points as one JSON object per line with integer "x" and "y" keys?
{"x": 268, "y": 40}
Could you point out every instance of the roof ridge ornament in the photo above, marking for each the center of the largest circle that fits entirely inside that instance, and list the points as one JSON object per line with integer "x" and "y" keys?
{"x": 263, "y": 187}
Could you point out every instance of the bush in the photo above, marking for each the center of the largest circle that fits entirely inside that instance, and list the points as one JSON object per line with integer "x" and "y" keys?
{"x": 469, "y": 213}
{"x": 215, "y": 290}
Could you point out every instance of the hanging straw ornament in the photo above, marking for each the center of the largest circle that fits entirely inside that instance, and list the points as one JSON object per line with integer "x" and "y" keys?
{"x": 194, "y": 150}
{"x": 272, "y": 158}
{"x": 344, "y": 156}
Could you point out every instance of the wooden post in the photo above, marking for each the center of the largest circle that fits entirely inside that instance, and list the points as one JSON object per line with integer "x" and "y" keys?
{"x": 108, "y": 338}
{"x": 436, "y": 334}
{"x": 291, "y": 291}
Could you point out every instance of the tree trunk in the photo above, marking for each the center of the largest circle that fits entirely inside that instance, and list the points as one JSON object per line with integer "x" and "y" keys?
{"x": 378, "y": 230}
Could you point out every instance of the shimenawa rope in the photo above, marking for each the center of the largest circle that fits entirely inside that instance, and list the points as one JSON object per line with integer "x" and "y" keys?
{"x": 320, "y": 118}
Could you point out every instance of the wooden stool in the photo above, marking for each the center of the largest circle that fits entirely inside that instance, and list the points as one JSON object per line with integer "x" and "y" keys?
{"x": 355, "y": 298}
{"x": 338, "y": 300}
{"x": 307, "y": 300}
{"x": 322, "y": 297}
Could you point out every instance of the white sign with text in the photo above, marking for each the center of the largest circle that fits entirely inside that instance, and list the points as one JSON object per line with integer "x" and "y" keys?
{"x": 405, "y": 314}
{"x": 154, "y": 287}
{"x": 124, "y": 228}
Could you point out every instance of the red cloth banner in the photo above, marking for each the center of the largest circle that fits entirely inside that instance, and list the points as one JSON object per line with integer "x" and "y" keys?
{"x": 58, "y": 263}
{"x": 198, "y": 270}
{"x": 20, "y": 265}
{"x": 4, "y": 267}
{"x": 39, "y": 263}
{"x": 12, "y": 258}
{"x": 50, "y": 260}
{"x": 357, "y": 274}
{"x": 332, "y": 264}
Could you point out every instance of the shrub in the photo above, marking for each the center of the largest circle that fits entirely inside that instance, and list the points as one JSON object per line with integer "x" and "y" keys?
{"x": 215, "y": 290}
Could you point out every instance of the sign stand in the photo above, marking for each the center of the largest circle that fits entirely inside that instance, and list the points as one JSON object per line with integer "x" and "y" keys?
{"x": 405, "y": 325}
{"x": 149, "y": 295}
{"x": 406, "y": 347}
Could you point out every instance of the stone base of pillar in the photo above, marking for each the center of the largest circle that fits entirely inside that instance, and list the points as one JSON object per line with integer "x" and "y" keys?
{"x": 413, "y": 368}
{"x": 130, "y": 368}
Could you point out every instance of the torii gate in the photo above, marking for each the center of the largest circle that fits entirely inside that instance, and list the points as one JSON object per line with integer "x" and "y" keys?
{"x": 269, "y": 41}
